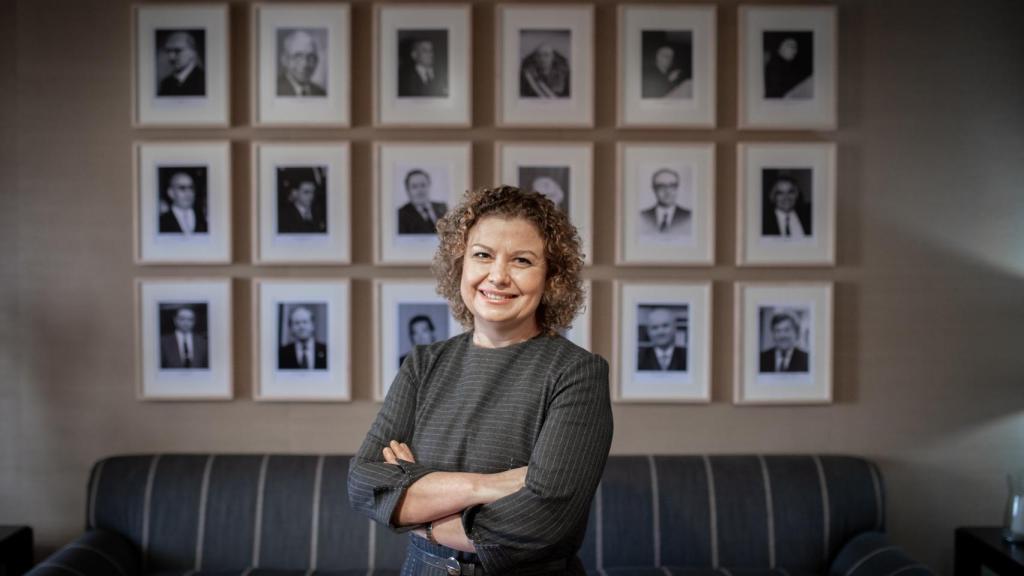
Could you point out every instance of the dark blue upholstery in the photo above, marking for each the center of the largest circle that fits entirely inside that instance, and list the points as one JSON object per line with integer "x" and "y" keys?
{"x": 205, "y": 515}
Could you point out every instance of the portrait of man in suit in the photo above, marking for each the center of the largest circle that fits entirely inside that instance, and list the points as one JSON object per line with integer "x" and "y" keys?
{"x": 422, "y": 63}
{"x": 182, "y": 204}
{"x": 544, "y": 69}
{"x": 180, "y": 63}
{"x": 786, "y": 207}
{"x": 301, "y": 350}
{"x": 789, "y": 65}
{"x": 663, "y": 352}
{"x": 667, "y": 219}
{"x": 421, "y": 333}
{"x": 666, "y": 70}
{"x": 782, "y": 353}
{"x": 182, "y": 345}
{"x": 302, "y": 67}
{"x": 302, "y": 200}
{"x": 420, "y": 214}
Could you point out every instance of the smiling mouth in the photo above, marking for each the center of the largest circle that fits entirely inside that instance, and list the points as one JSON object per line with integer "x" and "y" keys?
{"x": 497, "y": 297}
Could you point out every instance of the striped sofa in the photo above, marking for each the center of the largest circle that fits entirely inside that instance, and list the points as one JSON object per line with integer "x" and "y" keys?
{"x": 284, "y": 515}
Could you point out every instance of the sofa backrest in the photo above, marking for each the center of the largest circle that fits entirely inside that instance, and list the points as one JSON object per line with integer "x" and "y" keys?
{"x": 291, "y": 512}
{"x": 756, "y": 512}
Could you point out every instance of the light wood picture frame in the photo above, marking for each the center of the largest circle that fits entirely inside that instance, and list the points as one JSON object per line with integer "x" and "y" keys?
{"x": 662, "y": 342}
{"x": 180, "y": 65}
{"x": 786, "y": 204}
{"x": 301, "y": 202}
{"x": 783, "y": 343}
{"x": 667, "y": 66}
{"x": 545, "y": 65}
{"x": 788, "y": 67}
{"x": 182, "y": 202}
{"x": 301, "y": 343}
{"x": 301, "y": 65}
{"x": 423, "y": 69}
{"x": 183, "y": 339}
{"x": 562, "y": 171}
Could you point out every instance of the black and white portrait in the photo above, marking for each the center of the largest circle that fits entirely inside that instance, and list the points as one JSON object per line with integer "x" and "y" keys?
{"x": 180, "y": 54}
{"x": 302, "y": 62}
{"x": 420, "y": 209}
{"x": 420, "y": 324}
{"x": 786, "y": 203}
{"x": 661, "y": 337}
{"x": 784, "y": 336}
{"x": 302, "y": 327}
{"x": 302, "y": 200}
{"x": 183, "y": 335}
{"x": 545, "y": 63}
{"x": 551, "y": 181}
{"x": 182, "y": 202}
{"x": 422, "y": 63}
{"x": 667, "y": 194}
{"x": 789, "y": 65}
{"x": 667, "y": 67}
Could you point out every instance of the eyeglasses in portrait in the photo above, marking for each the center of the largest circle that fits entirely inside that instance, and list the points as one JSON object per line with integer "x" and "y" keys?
{"x": 302, "y": 340}
{"x": 302, "y": 199}
{"x": 182, "y": 204}
{"x": 180, "y": 54}
{"x": 666, "y": 192}
{"x": 183, "y": 340}
{"x": 783, "y": 343}
{"x": 303, "y": 335}
{"x": 183, "y": 345}
{"x": 302, "y": 68}
{"x": 667, "y": 63}
{"x": 180, "y": 65}
{"x": 422, "y": 63}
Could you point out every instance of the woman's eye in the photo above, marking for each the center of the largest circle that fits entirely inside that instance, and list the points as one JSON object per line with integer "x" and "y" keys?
{"x": 524, "y": 261}
{"x": 481, "y": 255}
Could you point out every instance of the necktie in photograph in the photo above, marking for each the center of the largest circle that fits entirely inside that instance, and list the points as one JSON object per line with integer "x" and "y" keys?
{"x": 664, "y": 223}
{"x": 785, "y": 225}
{"x": 302, "y": 356}
{"x": 187, "y": 360}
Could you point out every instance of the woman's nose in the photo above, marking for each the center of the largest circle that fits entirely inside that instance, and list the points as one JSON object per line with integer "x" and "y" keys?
{"x": 498, "y": 274}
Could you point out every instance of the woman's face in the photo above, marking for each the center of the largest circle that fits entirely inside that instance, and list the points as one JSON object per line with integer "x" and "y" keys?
{"x": 503, "y": 275}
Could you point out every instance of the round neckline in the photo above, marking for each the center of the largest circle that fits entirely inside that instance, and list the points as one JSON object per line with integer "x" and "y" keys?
{"x": 474, "y": 346}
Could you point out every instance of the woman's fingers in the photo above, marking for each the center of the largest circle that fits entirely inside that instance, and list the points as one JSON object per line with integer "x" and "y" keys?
{"x": 389, "y": 456}
{"x": 402, "y": 451}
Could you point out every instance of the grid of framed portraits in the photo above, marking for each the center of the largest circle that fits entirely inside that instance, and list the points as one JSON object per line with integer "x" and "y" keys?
{"x": 545, "y": 65}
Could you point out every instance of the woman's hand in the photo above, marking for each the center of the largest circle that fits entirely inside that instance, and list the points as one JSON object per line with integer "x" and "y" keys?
{"x": 396, "y": 451}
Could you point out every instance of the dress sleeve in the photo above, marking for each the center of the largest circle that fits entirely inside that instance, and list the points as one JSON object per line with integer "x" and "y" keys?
{"x": 374, "y": 486}
{"x": 565, "y": 467}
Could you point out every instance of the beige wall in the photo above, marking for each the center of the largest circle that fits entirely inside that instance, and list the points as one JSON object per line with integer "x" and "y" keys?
{"x": 929, "y": 307}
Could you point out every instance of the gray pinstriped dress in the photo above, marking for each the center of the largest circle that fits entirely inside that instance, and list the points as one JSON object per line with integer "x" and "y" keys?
{"x": 462, "y": 408}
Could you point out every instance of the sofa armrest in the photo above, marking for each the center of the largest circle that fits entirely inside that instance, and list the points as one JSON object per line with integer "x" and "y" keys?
{"x": 95, "y": 553}
{"x": 871, "y": 554}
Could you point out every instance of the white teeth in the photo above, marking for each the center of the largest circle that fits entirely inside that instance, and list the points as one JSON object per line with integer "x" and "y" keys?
{"x": 496, "y": 297}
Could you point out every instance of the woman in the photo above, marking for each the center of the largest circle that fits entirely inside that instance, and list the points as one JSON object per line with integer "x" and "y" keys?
{"x": 490, "y": 445}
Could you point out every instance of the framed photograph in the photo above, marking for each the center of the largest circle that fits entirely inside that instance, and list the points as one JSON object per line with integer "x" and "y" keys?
{"x": 416, "y": 184}
{"x": 787, "y": 67}
{"x": 783, "y": 343}
{"x": 666, "y": 204}
{"x": 786, "y": 198}
{"x": 302, "y": 66}
{"x": 662, "y": 342}
{"x": 666, "y": 66}
{"x": 579, "y": 332}
{"x": 183, "y": 339}
{"x": 407, "y": 313}
{"x": 422, "y": 65}
{"x": 561, "y": 171}
{"x": 301, "y": 206}
{"x": 182, "y": 203}
{"x": 545, "y": 65}
{"x": 180, "y": 65}
{"x": 302, "y": 346}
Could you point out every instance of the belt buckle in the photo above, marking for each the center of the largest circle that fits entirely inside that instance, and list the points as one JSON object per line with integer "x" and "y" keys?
{"x": 452, "y": 566}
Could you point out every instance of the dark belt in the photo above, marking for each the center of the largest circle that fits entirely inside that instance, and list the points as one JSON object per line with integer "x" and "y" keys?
{"x": 450, "y": 565}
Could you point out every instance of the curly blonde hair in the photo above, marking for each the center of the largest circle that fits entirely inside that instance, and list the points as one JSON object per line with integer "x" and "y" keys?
{"x": 563, "y": 287}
